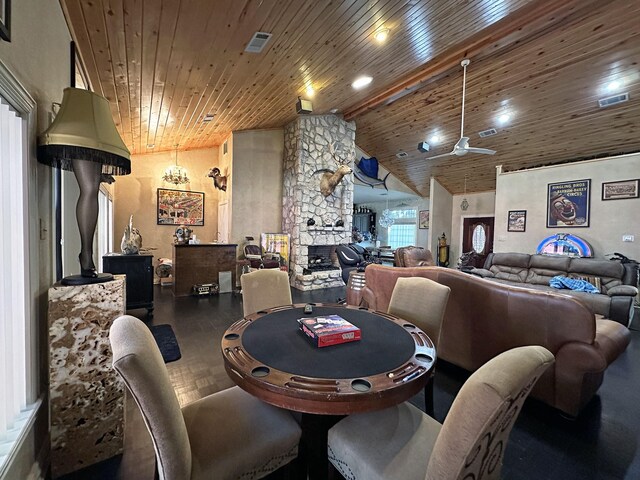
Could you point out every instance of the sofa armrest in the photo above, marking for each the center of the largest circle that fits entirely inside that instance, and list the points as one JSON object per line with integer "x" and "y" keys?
{"x": 481, "y": 272}
{"x": 624, "y": 290}
{"x": 368, "y": 298}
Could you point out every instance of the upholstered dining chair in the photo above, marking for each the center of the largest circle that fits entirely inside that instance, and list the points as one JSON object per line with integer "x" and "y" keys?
{"x": 403, "y": 442}
{"x": 421, "y": 301}
{"x": 264, "y": 289}
{"x": 227, "y": 435}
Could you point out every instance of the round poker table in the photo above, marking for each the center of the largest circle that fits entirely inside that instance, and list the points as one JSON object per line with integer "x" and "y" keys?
{"x": 267, "y": 355}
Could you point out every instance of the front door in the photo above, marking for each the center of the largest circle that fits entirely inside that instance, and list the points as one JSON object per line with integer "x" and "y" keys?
{"x": 477, "y": 237}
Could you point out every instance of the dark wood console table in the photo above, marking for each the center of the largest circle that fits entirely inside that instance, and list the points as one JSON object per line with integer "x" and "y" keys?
{"x": 139, "y": 271}
{"x": 196, "y": 264}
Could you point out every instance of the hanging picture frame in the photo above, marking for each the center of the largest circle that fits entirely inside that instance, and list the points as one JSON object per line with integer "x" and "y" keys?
{"x": 568, "y": 204}
{"x": 517, "y": 221}
{"x": 423, "y": 219}
{"x": 180, "y": 207}
{"x": 5, "y": 20}
{"x": 620, "y": 190}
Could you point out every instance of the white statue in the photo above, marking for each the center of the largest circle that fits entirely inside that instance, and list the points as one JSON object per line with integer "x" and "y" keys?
{"x": 131, "y": 240}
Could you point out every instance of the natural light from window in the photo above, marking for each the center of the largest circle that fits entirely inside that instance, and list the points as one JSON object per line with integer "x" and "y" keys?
{"x": 404, "y": 230}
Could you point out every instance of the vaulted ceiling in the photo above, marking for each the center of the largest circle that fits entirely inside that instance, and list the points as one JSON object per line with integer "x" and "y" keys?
{"x": 166, "y": 64}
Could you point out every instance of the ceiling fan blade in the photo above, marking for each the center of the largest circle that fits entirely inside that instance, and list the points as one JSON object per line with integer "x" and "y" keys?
{"x": 484, "y": 151}
{"x": 440, "y": 156}
{"x": 463, "y": 143}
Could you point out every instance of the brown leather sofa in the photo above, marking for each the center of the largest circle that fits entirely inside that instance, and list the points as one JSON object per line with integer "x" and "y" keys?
{"x": 413, "y": 257}
{"x": 484, "y": 319}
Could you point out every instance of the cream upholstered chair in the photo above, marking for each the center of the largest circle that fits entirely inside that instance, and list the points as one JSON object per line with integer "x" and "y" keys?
{"x": 422, "y": 302}
{"x": 265, "y": 288}
{"x": 402, "y": 442}
{"x": 227, "y": 435}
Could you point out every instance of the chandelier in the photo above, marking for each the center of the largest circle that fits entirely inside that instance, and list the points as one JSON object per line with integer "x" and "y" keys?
{"x": 176, "y": 174}
{"x": 386, "y": 219}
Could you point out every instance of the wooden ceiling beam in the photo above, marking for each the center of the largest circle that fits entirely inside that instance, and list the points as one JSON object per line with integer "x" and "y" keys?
{"x": 514, "y": 24}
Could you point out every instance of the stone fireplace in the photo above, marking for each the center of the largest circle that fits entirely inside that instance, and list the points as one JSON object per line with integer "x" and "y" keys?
{"x": 312, "y": 219}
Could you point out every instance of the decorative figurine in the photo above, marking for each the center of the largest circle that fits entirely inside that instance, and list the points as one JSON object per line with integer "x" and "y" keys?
{"x": 131, "y": 240}
{"x": 311, "y": 222}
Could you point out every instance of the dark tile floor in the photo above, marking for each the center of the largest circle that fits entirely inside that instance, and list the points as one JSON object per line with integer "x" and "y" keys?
{"x": 601, "y": 444}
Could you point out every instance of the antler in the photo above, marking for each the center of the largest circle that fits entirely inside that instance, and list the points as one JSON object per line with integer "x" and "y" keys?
{"x": 332, "y": 151}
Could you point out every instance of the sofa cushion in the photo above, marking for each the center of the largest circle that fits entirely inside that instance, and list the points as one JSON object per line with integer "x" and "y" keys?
{"x": 610, "y": 273}
{"x": 512, "y": 274}
{"x": 550, "y": 262}
{"x": 511, "y": 259}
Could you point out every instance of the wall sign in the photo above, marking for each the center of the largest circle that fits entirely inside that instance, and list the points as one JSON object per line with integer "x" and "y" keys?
{"x": 568, "y": 204}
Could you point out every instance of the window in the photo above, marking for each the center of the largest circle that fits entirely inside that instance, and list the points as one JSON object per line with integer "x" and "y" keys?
{"x": 17, "y": 351}
{"x": 404, "y": 230}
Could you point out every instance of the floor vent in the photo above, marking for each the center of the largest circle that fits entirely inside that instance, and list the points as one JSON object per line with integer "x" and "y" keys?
{"x": 402, "y": 154}
{"x": 616, "y": 99}
{"x": 488, "y": 133}
{"x": 257, "y": 43}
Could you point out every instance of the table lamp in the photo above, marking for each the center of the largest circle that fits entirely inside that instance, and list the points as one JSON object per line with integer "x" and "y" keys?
{"x": 83, "y": 138}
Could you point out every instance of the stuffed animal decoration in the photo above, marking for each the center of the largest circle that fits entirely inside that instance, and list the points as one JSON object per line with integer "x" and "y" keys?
{"x": 219, "y": 181}
{"x": 131, "y": 240}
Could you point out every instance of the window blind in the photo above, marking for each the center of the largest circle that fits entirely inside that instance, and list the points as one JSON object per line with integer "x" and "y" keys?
{"x": 13, "y": 278}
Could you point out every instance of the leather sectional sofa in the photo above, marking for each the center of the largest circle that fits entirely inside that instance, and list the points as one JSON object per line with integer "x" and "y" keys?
{"x": 617, "y": 280}
{"x": 484, "y": 319}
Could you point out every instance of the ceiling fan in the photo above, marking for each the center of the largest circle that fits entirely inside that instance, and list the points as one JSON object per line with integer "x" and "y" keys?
{"x": 462, "y": 146}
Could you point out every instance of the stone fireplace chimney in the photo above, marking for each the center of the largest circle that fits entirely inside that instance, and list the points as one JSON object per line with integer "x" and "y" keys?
{"x": 307, "y": 157}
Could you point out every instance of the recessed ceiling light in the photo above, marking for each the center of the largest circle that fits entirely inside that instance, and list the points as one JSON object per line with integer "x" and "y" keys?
{"x": 208, "y": 117}
{"x": 381, "y": 35}
{"x": 613, "y": 86}
{"x": 434, "y": 139}
{"x": 151, "y": 145}
{"x": 310, "y": 91}
{"x": 504, "y": 118}
{"x": 333, "y": 110}
{"x": 361, "y": 82}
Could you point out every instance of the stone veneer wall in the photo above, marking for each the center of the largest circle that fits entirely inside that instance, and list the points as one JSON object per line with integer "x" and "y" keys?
{"x": 306, "y": 151}
{"x": 86, "y": 397}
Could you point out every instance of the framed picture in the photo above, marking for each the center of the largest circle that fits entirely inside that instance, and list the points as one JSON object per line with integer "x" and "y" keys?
{"x": 423, "y": 219}
{"x": 5, "y": 20}
{"x": 517, "y": 221}
{"x": 179, "y": 207}
{"x": 620, "y": 189}
{"x": 568, "y": 204}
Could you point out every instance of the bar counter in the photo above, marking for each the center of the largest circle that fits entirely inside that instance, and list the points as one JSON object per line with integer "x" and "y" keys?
{"x": 196, "y": 264}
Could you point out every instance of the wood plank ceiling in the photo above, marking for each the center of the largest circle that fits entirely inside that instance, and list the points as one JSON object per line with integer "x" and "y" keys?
{"x": 165, "y": 64}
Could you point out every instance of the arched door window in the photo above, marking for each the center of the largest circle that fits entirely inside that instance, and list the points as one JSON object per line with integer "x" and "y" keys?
{"x": 479, "y": 238}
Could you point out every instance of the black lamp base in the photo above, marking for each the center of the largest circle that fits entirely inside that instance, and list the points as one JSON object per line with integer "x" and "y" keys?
{"x": 80, "y": 280}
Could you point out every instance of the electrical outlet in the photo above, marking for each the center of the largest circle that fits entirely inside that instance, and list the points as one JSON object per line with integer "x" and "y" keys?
{"x": 502, "y": 238}
{"x": 628, "y": 238}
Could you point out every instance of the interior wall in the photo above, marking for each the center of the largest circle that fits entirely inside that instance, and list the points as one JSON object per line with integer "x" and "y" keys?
{"x": 258, "y": 177}
{"x": 481, "y": 204}
{"x": 609, "y": 220}
{"x": 440, "y": 207}
{"x": 38, "y": 56}
{"x": 136, "y": 194}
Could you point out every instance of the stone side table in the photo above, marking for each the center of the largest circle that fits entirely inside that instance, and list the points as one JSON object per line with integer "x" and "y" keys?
{"x": 86, "y": 398}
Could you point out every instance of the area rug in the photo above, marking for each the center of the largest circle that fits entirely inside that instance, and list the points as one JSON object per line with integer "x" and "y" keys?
{"x": 167, "y": 342}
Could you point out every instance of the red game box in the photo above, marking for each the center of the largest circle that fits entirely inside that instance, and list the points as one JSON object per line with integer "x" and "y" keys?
{"x": 329, "y": 330}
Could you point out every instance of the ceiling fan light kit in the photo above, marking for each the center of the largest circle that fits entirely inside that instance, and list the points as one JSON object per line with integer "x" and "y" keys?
{"x": 462, "y": 146}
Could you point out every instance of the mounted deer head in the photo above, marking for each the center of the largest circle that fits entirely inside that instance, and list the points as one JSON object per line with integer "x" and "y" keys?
{"x": 330, "y": 179}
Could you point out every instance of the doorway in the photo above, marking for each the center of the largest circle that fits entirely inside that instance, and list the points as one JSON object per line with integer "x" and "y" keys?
{"x": 477, "y": 237}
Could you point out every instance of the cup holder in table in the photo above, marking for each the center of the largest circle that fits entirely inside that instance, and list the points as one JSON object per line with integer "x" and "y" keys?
{"x": 361, "y": 385}
{"x": 231, "y": 336}
{"x": 409, "y": 326}
{"x": 261, "y": 371}
{"x": 423, "y": 357}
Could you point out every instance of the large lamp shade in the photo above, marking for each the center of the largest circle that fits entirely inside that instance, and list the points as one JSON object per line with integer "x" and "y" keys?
{"x": 84, "y": 129}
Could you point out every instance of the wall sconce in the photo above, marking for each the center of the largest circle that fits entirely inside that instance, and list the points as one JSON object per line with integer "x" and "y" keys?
{"x": 219, "y": 181}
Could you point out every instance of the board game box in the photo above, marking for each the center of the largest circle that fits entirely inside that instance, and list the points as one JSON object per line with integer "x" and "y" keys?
{"x": 329, "y": 330}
